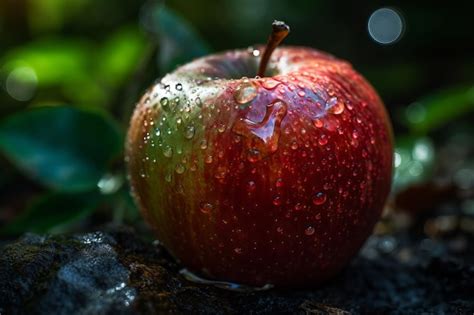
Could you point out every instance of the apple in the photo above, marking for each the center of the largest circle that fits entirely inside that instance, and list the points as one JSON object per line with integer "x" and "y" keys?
{"x": 271, "y": 179}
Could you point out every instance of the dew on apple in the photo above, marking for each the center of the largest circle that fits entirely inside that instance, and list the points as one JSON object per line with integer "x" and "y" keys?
{"x": 198, "y": 101}
{"x": 270, "y": 84}
{"x": 180, "y": 168}
{"x": 277, "y": 201}
{"x": 323, "y": 140}
{"x": 253, "y": 155}
{"x": 319, "y": 198}
{"x": 203, "y": 144}
{"x": 251, "y": 186}
{"x": 279, "y": 183}
{"x": 168, "y": 151}
{"x": 309, "y": 231}
{"x": 179, "y": 87}
{"x": 245, "y": 92}
{"x": 189, "y": 132}
{"x": 206, "y": 207}
{"x": 164, "y": 103}
{"x": 318, "y": 123}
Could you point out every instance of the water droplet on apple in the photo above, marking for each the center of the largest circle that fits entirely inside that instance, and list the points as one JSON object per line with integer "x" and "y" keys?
{"x": 318, "y": 123}
{"x": 323, "y": 140}
{"x": 309, "y": 231}
{"x": 277, "y": 201}
{"x": 203, "y": 144}
{"x": 319, "y": 198}
{"x": 168, "y": 151}
{"x": 301, "y": 93}
{"x": 198, "y": 101}
{"x": 270, "y": 83}
{"x": 208, "y": 159}
{"x": 251, "y": 186}
{"x": 221, "y": 128}
{"x": 263, "y": 136}
{"x": 179, "y": 86}
{"x": 294, "y": 145}
{"x": 253, "y": 155}
{"x": 238, "y": 250}
{"x": 180, "y": 168}
{"x": 189, "y": 132}
{"x": 279, "y": 183}
{"x": 205, "y": 207}
{"x": 335, "y": 106}
{"x": 164, "y": 103}
{"x": 245, "y": 92}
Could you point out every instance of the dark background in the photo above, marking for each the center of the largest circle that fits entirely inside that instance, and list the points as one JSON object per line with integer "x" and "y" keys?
{"x": 99, "y": 56}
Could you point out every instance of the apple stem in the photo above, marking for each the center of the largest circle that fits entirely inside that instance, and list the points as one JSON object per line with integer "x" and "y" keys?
{"x": 279, "y": 31}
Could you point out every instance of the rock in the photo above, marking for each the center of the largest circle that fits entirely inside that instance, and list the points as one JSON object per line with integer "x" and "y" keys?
{"x": 116, "y": 272}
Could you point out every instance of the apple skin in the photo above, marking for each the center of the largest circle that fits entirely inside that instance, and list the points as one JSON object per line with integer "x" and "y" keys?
{"x": 275, "y": 180}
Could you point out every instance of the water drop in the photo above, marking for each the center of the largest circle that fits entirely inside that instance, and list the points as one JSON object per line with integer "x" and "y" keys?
{"x": 168, "y": 151}
{"x": 301, "y": 93}
{"x": 221, "y": 128}
{"x": 309, "y": 231}
{"x": 294, "y": 145}
{"x": 323, "y": 140}
{"x": 208, "y": 159}
{"x": 253, "y": 155}
{"x": 180, "y": 168}
{"x": 270, "y": 83}
{"x": 263, "y": 136}
{"x": 203, "y": 144}
{"x": 164, "y": 103}
{"x": 179, "y": 86}
{"x": 189, "y": 132}
{"x": 318, "y": 123}
{"x": 245, "y": 93}
{"x": 279, "y": 183}
{"x": 205, "y": 207}
{"x": 251, "y": 186}
{"x": 335, "y": 106}
{"x": 198, "y": 101}
{"x": 319, "y": 198}
{"x": 238, "y": 250}
{"x": 277, "y": 201}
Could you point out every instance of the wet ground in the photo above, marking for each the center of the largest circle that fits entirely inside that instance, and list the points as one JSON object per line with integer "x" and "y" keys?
{"x": 424, "y": 267}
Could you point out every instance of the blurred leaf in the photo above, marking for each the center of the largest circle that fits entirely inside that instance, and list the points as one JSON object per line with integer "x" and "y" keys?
{"x": 120, "y": 55}
{"x": 53, "y": 212}
{"x": 440, "y": 108}
{"x": 178, "y": 40}
{"x": 413, "y": 161}
{"x": 59, "y": 63}
{"x": 54, "y": 61}
{"x": 65, "y": 148}
{"x": 45, "y": 15}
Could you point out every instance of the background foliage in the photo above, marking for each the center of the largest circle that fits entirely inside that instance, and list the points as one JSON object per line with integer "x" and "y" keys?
{"x": 71, "y": 72}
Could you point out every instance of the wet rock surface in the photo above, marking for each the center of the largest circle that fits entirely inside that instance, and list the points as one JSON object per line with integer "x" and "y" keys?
{"x": 115, "y": 271}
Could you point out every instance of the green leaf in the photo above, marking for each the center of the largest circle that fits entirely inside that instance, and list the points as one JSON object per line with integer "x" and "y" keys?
{"x": 120, "y": 55}
{"x": 62, "y": 64}
{"x": 414, "y": 159}
{"x": 65, "y": 148}
{"x": 438, "y": 109}
{"x": 178, "y": 40}
{"x": 53, "y": 213}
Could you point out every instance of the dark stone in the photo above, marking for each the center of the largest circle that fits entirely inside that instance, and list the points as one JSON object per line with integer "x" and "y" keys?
{"x": 117, "y": 272}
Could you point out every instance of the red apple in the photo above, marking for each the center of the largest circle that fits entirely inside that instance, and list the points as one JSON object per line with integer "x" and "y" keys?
{"x": 276, "y": 179}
